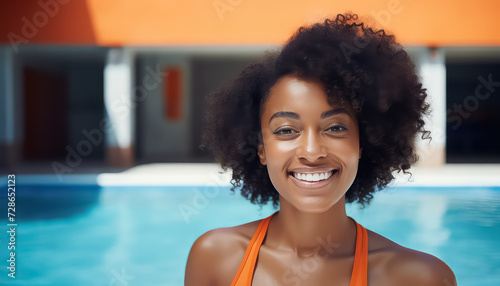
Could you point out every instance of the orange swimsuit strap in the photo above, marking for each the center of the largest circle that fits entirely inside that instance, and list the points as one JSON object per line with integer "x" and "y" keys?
{"x": 245, "y": 271}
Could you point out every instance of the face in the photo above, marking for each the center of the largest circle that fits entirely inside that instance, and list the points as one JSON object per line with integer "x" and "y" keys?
{"x": 311, "y": 148}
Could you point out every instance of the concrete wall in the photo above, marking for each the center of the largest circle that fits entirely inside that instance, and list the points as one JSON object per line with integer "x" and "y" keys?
{"x": 159, "y": 139}
{"x": 209, "y": 73}
{"x": 162, "y": 140}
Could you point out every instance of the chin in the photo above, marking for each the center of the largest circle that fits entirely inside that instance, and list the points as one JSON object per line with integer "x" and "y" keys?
{"x": 313, "y": 211}
{"x": 315, "y": 207}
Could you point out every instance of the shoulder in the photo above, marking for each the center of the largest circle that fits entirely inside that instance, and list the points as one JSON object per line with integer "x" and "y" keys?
{"x": 413, "y": 267}
{"x": 216, "y": 255}
{"x": 398, "y": 265}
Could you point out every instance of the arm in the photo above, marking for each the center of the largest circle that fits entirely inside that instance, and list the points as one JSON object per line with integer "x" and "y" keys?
{"x": 200, "y": 267}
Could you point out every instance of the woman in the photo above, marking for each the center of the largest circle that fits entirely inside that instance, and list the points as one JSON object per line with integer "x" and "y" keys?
{"x": 330, "y": 118}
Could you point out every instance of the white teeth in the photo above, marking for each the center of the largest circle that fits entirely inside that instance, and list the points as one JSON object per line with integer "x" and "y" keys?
{"x": 313, "y": 177}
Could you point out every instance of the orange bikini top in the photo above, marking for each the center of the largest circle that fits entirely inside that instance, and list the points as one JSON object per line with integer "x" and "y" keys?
{"x": 245, "y": 271}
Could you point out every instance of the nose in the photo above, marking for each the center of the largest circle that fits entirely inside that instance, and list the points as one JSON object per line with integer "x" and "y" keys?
{"x": 311, "y": 146}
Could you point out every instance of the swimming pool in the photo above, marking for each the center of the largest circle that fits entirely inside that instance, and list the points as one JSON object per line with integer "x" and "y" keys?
{"x": 141, "y": 235}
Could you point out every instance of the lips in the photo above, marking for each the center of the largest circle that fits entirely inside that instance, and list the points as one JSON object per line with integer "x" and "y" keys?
{"x": 311, "y": 170}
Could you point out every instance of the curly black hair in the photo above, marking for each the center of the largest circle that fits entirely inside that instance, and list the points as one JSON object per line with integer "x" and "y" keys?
{"x": 358, "y": 66}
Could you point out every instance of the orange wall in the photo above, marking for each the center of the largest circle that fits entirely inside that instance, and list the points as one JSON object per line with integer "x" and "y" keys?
{"x": 240, "y": 22}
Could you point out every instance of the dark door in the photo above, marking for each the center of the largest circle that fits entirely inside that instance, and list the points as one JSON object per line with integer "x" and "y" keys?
{"x": 46, "y": 115}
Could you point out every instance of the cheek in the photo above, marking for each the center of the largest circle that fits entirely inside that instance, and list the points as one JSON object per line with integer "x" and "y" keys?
{"x": 278, "y": 153}
{"x": 278, "y": 156}
{"x": 347, "y": 153}
{"x": 352, "y": 153}
{"x": 350, "y": 156}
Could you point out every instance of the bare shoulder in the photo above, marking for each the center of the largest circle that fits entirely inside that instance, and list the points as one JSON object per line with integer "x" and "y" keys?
{"x": 216, "y": 255}
{"x": 393, "y": 264}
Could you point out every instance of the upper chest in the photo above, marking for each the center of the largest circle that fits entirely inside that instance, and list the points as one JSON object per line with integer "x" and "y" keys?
{"x": 274, "y": 268}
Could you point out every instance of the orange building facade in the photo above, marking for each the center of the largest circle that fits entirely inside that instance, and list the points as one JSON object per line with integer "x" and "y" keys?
{"x": 239, "y": 22}
{"x": 86, "y": 80}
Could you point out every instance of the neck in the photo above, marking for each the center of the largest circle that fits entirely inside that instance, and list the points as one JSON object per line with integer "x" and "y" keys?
{"x": 308, "y": 233}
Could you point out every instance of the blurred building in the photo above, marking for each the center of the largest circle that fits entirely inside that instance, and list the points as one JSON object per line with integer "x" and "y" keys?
{"x": 124, "y": 82}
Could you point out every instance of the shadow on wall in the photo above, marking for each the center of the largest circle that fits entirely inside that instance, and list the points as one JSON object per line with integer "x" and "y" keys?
{"x": 30, "y": 22}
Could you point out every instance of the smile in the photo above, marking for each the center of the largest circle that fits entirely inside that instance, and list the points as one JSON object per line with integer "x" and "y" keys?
{"x": 313, "y": 180}
{"x": 313, "y": 177}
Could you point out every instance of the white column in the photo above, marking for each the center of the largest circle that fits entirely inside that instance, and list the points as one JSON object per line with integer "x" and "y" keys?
{"x": 7, "y": 108}
{"x": 119, "y": 107}
{"x": 433, "y": 74}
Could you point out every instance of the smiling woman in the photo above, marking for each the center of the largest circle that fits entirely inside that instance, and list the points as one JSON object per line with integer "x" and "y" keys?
{"x": 305, "y": 138}
{"x": 333, "y": 115}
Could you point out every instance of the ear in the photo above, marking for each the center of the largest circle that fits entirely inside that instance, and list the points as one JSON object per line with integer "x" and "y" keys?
{"x": 262, "y": 153}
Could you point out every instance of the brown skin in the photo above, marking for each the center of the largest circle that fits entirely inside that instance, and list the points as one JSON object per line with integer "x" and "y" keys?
{"x": 311, "y": 240}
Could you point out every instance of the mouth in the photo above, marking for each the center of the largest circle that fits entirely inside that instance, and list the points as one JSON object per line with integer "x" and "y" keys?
{"x": 313, "y": 180}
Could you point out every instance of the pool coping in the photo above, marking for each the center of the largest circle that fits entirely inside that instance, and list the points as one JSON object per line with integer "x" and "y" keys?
{"x": 209, "y": 174}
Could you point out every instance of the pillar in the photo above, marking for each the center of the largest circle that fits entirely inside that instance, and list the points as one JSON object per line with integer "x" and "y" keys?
{"x": 433, "y": 73}
{"x": 10, "y": 151}
{"x": 119, "y": 108}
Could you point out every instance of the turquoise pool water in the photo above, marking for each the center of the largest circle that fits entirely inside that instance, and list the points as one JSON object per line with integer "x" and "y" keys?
{"x": 90, "y": 235}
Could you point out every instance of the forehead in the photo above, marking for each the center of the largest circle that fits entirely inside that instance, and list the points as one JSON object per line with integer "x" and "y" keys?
{"x": 291, "y": 85}
{"x": 291, "y": 93}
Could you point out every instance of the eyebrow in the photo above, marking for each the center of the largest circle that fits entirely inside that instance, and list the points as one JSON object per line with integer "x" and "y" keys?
{"x": 294, "y": 115}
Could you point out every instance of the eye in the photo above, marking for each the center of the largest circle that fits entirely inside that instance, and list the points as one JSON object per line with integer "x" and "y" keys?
{"x": 338, "y": 128}
{"x": 284, "y": 131}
